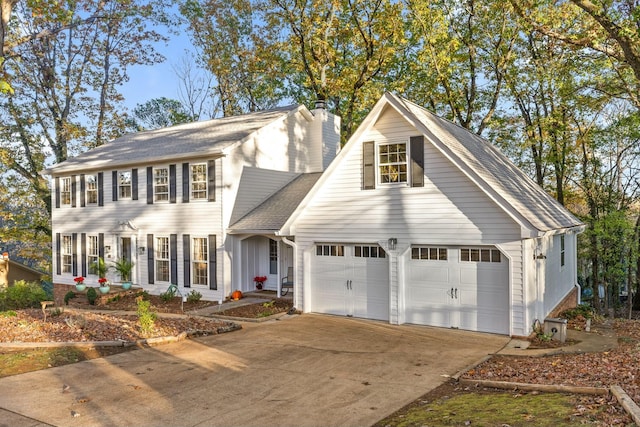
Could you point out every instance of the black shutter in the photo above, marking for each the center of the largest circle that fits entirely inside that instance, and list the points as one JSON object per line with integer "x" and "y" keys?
{"x": 211, "y": 172}
{"x": 173, "y": 257}
{"x": 83, "y": 253}
{"x": 213, "y": 282}
{"x": 73, "y": 191}
{"x": 186, "y": 176}
{"x": 417, "y": 161}
{"x": 150, "y": 262}
{"x": 74, "y": 253}
{"x": 134, "y": 184}
{"x": 100, "y": 189}
{"x": 82, "y": 191}
{"x": 58, "y": 255}
{"x": 114, "y": 186}
{"x": 101, "y": 245}
{"x": 172, "y": 183}
{"x": 57, "y": 185}
{"x": 368, "y": 165}
{"x": 186, "y": 251}
{"x": 149, "y": 185}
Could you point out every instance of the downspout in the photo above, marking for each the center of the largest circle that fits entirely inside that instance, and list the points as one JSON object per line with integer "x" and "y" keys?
{"x": 295, "y": 267}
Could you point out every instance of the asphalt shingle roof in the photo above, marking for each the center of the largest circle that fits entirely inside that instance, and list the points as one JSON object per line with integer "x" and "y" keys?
{"x": 203, "y": 138}
{"x": 271, "y": 215}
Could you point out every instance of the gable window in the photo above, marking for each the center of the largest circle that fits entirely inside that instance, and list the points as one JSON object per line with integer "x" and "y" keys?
{"x": 429, "y": 253}
{"x": 330, "y": 250}
{"x": 198, "y": 181}
{"x": 480, "y": 255}
{"x": 369, "y": 251}
{"x": 91, "y": 189}
{"x": 392, "y": 163}
{"x": 162, "y": 259}
{"x": 124, "y": 185}
{"x": 161, "y": 185}
{"x": 92, "y": 250}
{"x": 200, "y": 261}
{"x": 562, "y": 251}
{"x": 65, "y": 191}
{"x": 66, "y": 249}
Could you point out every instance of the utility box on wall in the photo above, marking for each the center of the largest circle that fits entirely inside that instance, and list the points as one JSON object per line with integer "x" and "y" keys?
{"x": 556, "y": 327}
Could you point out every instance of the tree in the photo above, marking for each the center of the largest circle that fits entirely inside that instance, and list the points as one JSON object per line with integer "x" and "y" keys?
{"x": 64, "y": 96}
{"x": 159, "y": 113}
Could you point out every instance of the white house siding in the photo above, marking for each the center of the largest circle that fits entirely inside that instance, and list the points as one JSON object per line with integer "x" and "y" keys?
{"x": 196, "y": 218}
{"x": 559, "y": 278}
{"x": 448, "y": 210}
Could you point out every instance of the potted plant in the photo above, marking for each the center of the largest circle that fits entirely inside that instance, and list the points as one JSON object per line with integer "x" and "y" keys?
{"x": 99, "y": 267}
{"x": 104, "y": 285}
{"x": 260, "y": 281}
{"x": 124, "y": 267}
{"x": 80, "y": 285}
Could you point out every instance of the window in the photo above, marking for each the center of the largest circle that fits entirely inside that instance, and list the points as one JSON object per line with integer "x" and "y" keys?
{"x": 162, "y": 259}
{"x": 200, "y": 260}
{"x": 329, "y": 250}
{"x": 392, "y": 162}
{"x": 66, "y": 248}
{"x": 124, "y": 185}
{"x": 365, "y": 251}
{"x": 65, "y": 191}
{"x": 480, "y": 255}
{"x": 199, "y": 181}
{"x": 161, "y": 185}
{"x": 273, "y": 257}
{"x": 92, "y": 251}
{"x": 429, "y": 253}
{"x": 91, "y": 189}
{"x": 562, "y": 251}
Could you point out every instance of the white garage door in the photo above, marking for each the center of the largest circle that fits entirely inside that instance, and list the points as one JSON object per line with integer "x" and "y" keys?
{"x": 350, "y": 280}
{"x": 466, "y": 288}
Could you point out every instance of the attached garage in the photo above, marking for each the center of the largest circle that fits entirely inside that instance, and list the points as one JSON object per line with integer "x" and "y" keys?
{"x": 350, "y": 280}
{"x": 458, "y": 287}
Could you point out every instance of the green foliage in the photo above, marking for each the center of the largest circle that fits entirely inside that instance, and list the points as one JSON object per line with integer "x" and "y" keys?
{"x": 69, "y": 295}
{"x": 99, "y": 267}
{"x": 169, "y": 294}
{"x": 92, "y": 296}
{"x": 8, "y": 313}
{"x": 160, "y": 113}
{"x": 124, "y": 267}
{"x": 584, "y": 310}
{"x": 22, "y": 295}
{"x": 146, "y": 316}
{"x": 194, "y": 296}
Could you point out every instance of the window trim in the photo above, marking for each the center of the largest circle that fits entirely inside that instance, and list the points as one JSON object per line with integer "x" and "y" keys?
{"x": 429, "y": 253}
{"x": 368, "y": 251}
{"x": 66, "y": 253}
{"x": 405, "y": 163}
{"x": 91, "y": 179}
{"x": 122, "y": 187}
{"x": 328, "y": 249}
{"x": 65, "y": 190}
{"x": 156, "y": 192}
{"x": 479, "y": 254}
{"x": 193, "y": 182}
{"x": 158, "y": 248}
{"x": 195, "y": 260}
{"x": 92, "y": 257}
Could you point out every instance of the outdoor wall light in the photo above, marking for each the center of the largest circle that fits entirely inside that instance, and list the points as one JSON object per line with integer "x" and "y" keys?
{"x": 141, "y": 250}
{"x": 392, "y": 243}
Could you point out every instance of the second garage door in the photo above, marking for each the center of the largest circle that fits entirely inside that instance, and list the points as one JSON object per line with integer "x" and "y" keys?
{"x": 350, "y": 280}
{"x": 464, "y": 288}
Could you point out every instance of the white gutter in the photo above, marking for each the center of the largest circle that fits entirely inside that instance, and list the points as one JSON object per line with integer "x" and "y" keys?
{"x": 295, "y": 266}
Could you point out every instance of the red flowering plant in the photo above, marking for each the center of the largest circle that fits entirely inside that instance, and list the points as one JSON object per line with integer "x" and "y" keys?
{"x": 79, "y": 280}
{"x": 259, "y": 281}
{"x": 102, "y": 281}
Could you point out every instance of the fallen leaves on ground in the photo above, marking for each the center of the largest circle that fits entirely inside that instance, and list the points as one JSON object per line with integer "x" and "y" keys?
{"x": 82, "y": 326}
{"x": 615, "y": 367}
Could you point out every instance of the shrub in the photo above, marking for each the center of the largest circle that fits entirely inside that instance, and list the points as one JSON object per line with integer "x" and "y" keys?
{"x": 584, "y": 310}
{"x": 92, "y": 296}
{"x": 22, "y": 295}
{"x": 146, "y": 316}
{"x": 194, "y": 296}
{"x": 167, "y": 296}
{"x": 69, "y": 295}
{"x": 9, "y": 313}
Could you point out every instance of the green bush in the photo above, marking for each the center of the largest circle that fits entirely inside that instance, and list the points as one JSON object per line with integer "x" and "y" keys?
{"x": 584, "y": 310}
{"x": 168, "y": 295}
{"x": 92, "y": 296}
{"x": 69, "y": 295}
{"x": 22, "y": 295}
{"x": 146, "y": 316}
{"x": 194, "y": 296}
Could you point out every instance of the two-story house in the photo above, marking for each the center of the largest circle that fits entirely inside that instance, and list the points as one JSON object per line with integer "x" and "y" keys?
{"x": 416, "y": 220}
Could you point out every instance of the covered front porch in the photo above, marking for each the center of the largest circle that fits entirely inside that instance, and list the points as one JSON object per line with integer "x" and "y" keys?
{"x": 267, "y": 257}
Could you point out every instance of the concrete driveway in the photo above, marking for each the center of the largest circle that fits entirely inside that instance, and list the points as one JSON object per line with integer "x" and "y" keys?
{"x": 304, "y": 370}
